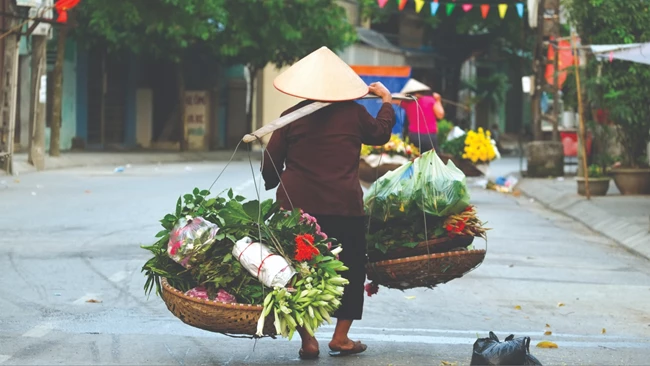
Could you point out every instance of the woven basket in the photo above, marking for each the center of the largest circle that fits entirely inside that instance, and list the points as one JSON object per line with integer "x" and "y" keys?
{"x": 424, "y": 270}
{"x": 437, "y": 245}
{"x": 370, "y": 174}
{"x": 213, "y": 316}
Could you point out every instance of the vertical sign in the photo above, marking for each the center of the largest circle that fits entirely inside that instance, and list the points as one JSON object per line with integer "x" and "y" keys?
{"x": 196, "y": 119}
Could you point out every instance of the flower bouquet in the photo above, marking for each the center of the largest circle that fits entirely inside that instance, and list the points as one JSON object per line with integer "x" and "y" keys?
{"x": 378, "y": 160}
{"x": 422, "y": 210}
{"x": 471, "y": 152}
{"x": 233, "y": 251}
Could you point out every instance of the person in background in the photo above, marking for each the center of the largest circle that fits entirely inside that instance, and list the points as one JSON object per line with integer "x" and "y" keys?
{"x": 317, "y": 162}
{"x": 422, "y": 116}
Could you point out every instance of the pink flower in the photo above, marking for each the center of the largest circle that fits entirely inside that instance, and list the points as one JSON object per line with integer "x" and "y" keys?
{"x": 173, "y": 249}
{"x": 199, "y": 292}
{"x": 223, "y": 296}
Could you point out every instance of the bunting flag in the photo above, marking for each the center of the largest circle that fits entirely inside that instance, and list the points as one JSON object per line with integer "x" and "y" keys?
{"x": 450, "y": 8}
{"x": 485, "y": 9}
{"x": 434, "y": 7}
{"x": 503, "y": 8}
{"x": 467, "y": 7}
{"x": 520, "y": 9}
{"x": 382, "y": 3}
{"x": 402, "y": 4}
{"x": 418, "y": 5}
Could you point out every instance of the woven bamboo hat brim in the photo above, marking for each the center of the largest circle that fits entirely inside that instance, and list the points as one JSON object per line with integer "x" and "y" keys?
{"x": 414, "y": 86}
{"x": 321, "y": 76}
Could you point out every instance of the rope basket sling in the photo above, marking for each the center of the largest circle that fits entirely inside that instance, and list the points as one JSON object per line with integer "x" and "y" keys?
{"x": 215, "y": 316}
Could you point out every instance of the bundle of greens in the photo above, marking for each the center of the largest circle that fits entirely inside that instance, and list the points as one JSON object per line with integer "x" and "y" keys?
{"x": 208, "y": 264}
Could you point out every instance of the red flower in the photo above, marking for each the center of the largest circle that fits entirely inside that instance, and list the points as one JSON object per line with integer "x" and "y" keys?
{"x": 305, "y": 249}
{"x": 460, "y": 226}
{"x": 371, "y": 288}
{"x": 175, "y": 248}
{"x": 469, "y": 208}
{"x": 450, "y": 228}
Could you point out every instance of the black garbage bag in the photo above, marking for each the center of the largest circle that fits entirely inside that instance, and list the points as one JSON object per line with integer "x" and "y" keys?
{"x": 491, "y": 352}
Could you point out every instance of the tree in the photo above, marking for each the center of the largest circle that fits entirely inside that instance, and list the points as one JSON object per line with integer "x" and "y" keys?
{"x": 620, "y": 87}
{"x": 57, "y": 92}
{"x": 164, "y": 29}
{"x": 460, "y": 35}
{"x": 280, "y": 32}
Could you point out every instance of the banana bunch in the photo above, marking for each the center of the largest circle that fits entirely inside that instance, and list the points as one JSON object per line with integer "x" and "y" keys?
{"x": 466, "y": 223}
{"x": 309, "y": 300}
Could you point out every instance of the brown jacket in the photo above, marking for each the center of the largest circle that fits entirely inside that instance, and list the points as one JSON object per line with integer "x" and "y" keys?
{"x": 318, "y": 157}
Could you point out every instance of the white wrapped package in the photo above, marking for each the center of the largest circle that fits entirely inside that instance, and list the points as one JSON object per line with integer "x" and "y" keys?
{"x": 271, "y": 269}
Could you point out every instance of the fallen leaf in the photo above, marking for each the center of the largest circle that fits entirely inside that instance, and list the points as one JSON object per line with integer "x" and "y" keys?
{"x": 548, "y": 332}
{"x": 86, "y": 191}
{"x": 410, "y": 297}
{"x": 16, "y": 180}
{"x": 93, "y": 301}
{"x": 517, "y": 307}
{"x": 548, "y": 325}
{"x": 546, "y": 344}
{"x": 560, "y": 304}
{"x": 445, "y": 363}
{"x": 603, "y": 331}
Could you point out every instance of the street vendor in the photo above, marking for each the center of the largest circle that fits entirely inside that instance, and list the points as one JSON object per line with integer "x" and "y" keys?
{"x": 422, "y": 115}
{"x": 315, "y": 162}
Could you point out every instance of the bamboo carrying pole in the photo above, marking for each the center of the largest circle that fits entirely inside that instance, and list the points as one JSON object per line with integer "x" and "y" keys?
{"x": 576, "y": 63}
{"x": 299, "y": 113}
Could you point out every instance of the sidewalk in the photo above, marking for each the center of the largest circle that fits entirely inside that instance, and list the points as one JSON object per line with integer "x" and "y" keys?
{"x": 623, "y": 219}
{"x": 101, "y": 158}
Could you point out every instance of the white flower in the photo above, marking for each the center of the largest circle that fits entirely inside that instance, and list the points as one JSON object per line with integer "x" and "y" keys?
{"x": 337, "y": 250}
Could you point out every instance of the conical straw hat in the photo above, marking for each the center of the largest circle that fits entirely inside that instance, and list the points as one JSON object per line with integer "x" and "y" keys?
{"x": 413, "y": 86}
{"x": 321, "y": 76}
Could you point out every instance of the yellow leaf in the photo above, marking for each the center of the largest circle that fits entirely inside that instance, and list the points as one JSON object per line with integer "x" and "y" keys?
{"x": 603, "y": 331}
{"x": 410, "y": 297}
{"x": 560, "y": 304}
{"x": 445, "y": 363}
{"x": 93, "y": 301}
{"x": 546, "y": 344}
{"x": 548, "y": 332}
{"x": 517, "y": 307}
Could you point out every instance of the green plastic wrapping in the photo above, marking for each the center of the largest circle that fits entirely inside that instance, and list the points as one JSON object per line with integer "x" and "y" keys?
{"x": 424, "y": 185}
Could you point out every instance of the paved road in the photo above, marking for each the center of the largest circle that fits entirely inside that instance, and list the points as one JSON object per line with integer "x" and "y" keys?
{"x": 72, "y": 235}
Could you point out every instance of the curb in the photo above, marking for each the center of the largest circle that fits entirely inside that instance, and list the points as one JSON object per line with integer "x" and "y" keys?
{"x": 101, "y": 159}
{"x": 633, "y": 238}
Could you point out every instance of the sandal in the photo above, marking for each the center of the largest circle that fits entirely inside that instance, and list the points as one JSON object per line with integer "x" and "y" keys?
{"x": 357, "y": 348}
{"x": 308, "y": 355}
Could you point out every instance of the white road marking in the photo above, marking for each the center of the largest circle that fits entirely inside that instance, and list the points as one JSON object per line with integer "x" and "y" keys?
{"x": 4, "y": 358}
{"x": 84, "y": 298}
{"x": 119, "y": 276}
{"x": 39, "y": 330}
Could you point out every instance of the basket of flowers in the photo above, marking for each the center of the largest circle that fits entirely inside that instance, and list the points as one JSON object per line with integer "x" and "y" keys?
{"x": 244, "y": 268}
{"x": 471, "y": 152}
{"x": 376, "y": 161}
{"x": 421, "y": 226}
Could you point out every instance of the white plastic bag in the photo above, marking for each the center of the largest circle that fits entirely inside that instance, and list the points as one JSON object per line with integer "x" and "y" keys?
{"x": 271, "y": 269}
{"x": 455, "y": 133}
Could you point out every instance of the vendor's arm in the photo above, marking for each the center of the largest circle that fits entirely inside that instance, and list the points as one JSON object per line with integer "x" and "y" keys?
{"x": 438, "y": 110}
{"x": 276, "y": 153}
{"x": 376, "y": 131}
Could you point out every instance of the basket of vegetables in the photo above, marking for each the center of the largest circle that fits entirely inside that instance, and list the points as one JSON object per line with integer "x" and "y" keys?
{"x": 244, "y": 268}
{"x": 421, "y": 226}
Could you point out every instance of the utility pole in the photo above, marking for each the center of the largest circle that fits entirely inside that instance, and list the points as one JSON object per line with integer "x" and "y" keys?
{"x": 9, "y": 89}
{"x": 39, "y": 98}
{"x": 538, "y": 70}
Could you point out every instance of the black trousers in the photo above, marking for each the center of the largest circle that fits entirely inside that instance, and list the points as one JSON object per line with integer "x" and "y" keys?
{"x": 350, "y": 232}
{"x": 427, "y": 142}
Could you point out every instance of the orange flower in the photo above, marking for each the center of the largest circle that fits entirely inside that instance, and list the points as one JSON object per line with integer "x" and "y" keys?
{"x": 305, "y": 250}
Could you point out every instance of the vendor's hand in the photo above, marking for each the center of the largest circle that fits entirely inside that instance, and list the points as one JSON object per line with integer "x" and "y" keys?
{"x": 437, "y": 96}
{"x": 380, "y": 90}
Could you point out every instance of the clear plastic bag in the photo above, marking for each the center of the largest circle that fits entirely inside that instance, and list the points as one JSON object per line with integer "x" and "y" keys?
{"x": 189, "y": 238}
{"x": 425, "y": 185}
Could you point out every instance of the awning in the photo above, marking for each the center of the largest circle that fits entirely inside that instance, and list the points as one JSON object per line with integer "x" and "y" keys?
{"x": 634, "y": 52}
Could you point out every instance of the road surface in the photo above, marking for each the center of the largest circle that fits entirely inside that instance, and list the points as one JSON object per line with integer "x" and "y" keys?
{"x": 72, "y": 235}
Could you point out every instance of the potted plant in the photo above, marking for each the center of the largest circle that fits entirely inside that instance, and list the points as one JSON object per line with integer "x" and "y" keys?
{"x": 620, "y": 88}
{"x": 598, "y": 181}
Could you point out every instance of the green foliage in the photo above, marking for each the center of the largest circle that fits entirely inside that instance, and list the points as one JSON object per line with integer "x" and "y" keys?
{"x": 444, "y": 127}
{"x": 455, "y": 147}
{"x": 491, "y": 89}
{"x": 596, "y": 171}
{"x": 620, "y": 87}
{"x": 162, "y": 28}
{"x": 280, "y": 32}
